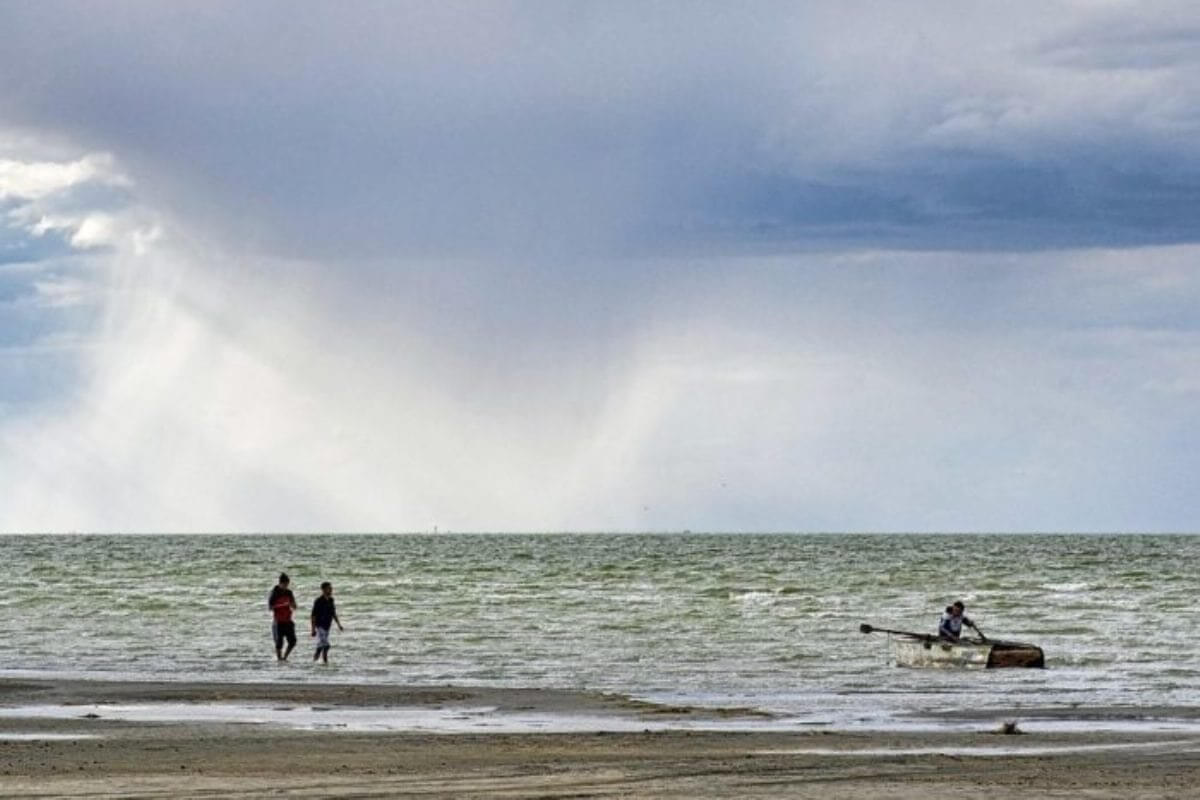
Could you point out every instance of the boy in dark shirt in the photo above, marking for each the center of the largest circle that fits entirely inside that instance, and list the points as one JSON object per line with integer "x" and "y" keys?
{"x": 324, "y": 615}
{"x": 281, "y": 602}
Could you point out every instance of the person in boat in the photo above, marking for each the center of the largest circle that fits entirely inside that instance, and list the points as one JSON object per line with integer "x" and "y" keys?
{"x": 951, "y": 623}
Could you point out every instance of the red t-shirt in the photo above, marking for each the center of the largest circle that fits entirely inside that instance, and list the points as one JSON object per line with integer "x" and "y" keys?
{"x": 282, "y": 601}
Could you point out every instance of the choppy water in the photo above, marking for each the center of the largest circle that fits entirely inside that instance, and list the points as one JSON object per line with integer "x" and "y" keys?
{"x": 765, "y": 620}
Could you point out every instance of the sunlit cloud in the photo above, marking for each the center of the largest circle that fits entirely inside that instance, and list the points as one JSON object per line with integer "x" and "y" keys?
{"x": 35, "y": 180}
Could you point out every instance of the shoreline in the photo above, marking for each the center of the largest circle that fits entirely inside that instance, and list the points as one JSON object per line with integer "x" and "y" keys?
{"x": 74, "y": 692}
{"x": 53, "y": 691}
{"x": 194, "y": 756}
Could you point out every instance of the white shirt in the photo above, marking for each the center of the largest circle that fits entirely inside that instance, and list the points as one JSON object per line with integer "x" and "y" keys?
{"x": 951, "y": 626}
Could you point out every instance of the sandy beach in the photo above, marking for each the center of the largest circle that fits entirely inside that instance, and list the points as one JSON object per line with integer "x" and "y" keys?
{"x": 98, "y": 755}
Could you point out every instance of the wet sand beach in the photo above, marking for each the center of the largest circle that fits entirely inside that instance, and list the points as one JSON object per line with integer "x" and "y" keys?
{"x": 181, "y": 757}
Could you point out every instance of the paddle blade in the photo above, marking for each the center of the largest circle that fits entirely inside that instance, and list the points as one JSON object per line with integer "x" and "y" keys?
{"x": 865, "y": 628}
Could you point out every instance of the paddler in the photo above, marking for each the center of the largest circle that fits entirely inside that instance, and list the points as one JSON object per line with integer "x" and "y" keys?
{"x": 950, "y": 625}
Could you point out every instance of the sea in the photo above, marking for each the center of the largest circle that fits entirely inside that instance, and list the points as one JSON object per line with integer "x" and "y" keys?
{"x": 766, "y": 622}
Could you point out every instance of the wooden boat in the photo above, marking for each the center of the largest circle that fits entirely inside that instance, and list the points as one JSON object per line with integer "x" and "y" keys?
{"x": 922, "y": 650}
{"x": 977, "y": 653}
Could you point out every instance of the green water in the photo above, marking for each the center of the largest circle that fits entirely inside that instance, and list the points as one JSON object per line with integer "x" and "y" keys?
{"x": 770, "y": 620}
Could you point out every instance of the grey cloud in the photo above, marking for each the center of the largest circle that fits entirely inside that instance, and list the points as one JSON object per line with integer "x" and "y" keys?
{"x": 531, "y": 262}
{"x": 1143, "y": 38}
{"x": 404, "y": 128}
{"x": 568, "y": 128}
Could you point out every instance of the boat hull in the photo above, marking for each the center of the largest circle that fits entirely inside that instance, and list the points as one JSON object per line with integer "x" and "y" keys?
{"x": 966, "y": 654}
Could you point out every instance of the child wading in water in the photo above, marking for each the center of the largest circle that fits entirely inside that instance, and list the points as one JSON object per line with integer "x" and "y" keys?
{"x": 282, "y": 602}
{"x": 324, "y": 615}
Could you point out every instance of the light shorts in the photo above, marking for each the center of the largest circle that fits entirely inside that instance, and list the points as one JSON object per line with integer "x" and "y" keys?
{"x": 322, "y": 637}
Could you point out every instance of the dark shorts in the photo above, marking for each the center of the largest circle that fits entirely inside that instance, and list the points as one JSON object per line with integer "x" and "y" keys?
{"x": 284, "y": 630}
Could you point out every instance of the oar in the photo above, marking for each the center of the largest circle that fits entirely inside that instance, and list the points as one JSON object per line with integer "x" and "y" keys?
{"x": 865, "y": 628}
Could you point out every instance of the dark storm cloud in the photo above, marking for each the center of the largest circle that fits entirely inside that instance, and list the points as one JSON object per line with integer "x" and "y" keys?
{"x": 549, "y": 128}
{"x": 979, "y": 204}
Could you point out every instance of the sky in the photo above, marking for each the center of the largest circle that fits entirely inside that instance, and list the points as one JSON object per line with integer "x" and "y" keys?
{"x": 600, "y": 266}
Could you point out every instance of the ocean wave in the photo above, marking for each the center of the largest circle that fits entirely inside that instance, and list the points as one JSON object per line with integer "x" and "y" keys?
{"x": 1066, "y": 588}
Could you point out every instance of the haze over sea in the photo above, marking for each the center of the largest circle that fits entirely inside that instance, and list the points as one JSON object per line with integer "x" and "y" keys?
{"x": 768, "y": 621}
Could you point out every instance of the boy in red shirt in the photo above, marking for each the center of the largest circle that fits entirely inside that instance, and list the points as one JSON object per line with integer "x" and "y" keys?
{"x": 282, "y": 602}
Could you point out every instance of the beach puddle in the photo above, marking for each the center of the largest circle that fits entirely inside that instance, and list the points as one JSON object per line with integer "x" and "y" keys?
{"x": 45, "y": 737}
{"x": 493, "y": 719}
{"x": 987, "y": 751}
{"x": 343, "y": 718}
